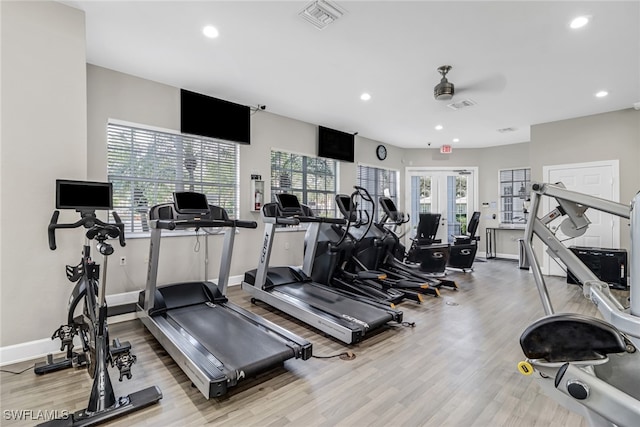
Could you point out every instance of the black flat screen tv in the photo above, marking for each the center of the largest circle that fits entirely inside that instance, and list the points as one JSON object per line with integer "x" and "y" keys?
{"x": 214, "y": 118}
{"x": 84, "y": 195}
{"x": 334, "y": 144}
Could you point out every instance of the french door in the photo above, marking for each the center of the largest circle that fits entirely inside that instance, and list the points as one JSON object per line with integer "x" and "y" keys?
{"x": 449, "y": 192}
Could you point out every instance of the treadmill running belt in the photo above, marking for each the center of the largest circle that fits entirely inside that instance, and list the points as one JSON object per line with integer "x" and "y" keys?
{"x": 237, "y": 343}
{"x": 318, "y": 297}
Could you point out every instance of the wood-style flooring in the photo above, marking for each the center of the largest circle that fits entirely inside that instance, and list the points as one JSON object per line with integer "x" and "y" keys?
{"x": 456, "y": 367}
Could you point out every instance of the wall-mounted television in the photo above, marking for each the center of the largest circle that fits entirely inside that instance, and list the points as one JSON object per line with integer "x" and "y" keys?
{"x": 214, "y": 118}
{"x": 334, "y": 144}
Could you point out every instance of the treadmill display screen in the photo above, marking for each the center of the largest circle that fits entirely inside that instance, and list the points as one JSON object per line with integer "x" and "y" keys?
{"x": 188, "y": 202}
{"x": 83, "y": 195}
{"x": 288, "y": 201}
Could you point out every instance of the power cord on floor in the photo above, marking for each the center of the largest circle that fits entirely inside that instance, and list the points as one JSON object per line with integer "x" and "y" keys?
{"x": 18, "y": 373}
{"x": 347, "y": 355}
{"x": 409, "y": 324}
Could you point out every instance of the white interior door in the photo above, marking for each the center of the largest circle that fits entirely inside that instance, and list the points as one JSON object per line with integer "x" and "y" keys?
{"x": 451, "y": 193}
{"x": 598, "y": 179}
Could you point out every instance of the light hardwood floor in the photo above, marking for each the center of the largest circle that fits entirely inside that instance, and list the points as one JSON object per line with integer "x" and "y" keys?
{"x": 456, "y": 367}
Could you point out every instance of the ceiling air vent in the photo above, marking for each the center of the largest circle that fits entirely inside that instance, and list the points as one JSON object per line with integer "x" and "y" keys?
{"x": 505, "y": 130}
{"x": 459, "y": 105}
{"x": 322, "y": 13}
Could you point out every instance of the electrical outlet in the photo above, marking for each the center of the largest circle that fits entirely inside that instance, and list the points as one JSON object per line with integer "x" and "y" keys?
{"x": 123, "y": 260}
{"x": 286, "y": 246}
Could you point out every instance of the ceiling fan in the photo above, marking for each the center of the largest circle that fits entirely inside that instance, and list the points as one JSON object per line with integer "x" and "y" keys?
{"x": 444, "y": 90}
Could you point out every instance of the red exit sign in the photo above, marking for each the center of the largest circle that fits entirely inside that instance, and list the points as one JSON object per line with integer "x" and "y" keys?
{"x": 445, "y": 149}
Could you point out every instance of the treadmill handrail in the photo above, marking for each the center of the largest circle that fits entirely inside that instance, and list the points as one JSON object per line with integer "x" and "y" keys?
{"x": 200, "y": 223}
{"x": 339, "y": 221}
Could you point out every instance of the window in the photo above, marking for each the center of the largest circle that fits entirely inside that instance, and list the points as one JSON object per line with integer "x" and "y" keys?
{"x": 379, "y": 182}
{"x": 312, "y": 179}
{"x": 146, "y": 166}
{"x": 514, "y": 191}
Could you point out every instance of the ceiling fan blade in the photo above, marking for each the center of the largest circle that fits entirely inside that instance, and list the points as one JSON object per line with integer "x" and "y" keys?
{"x": 494, "y": 83}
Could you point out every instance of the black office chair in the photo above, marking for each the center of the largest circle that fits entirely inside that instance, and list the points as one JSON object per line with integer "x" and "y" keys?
{"x": 472, "y": 228}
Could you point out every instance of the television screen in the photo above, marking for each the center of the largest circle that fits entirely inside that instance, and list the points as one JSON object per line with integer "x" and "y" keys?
{"x": 84, "y": 195}
{"x": 188, "y": 202}
{"x": 214, "y": 118}
{"x": 334, "y": 144}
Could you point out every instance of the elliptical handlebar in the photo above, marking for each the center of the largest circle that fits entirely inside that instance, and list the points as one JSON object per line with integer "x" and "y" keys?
{"x": 92, "y": 223}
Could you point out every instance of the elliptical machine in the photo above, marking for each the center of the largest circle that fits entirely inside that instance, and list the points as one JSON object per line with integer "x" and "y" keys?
{"x": 91, "y": 326}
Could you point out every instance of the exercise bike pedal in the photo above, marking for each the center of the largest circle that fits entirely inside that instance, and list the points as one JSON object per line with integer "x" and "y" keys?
{"x": 66, "y": 334}
{"x": 123, "y": 362}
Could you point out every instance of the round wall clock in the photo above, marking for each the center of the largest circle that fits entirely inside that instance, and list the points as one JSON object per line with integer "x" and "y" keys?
{"x": 381, "y": 152}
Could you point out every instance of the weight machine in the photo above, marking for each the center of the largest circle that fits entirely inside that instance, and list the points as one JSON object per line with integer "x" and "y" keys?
{"x": 590, "y": 366}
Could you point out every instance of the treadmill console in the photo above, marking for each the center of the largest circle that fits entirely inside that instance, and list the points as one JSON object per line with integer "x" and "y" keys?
{"x": 289, "y": 204}
{"x": 191, "y": 203}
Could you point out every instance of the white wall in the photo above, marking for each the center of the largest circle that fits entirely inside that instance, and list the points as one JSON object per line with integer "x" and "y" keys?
{"x": 43, "y": 138}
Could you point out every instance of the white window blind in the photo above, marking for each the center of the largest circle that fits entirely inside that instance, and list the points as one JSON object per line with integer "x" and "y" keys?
{"x": 379, "y": 182}
{"x": 311, "y": 179}
{"x": 147, "y": 166}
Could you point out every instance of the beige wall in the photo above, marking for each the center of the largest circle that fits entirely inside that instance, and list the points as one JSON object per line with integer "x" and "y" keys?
{"x": 43, "y": 138}
{"x": 608, "y": 136}
{"x": 114, "y": 95}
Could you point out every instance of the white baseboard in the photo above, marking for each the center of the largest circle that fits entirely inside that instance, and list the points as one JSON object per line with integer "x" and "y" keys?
{"x": 40, "y": 348}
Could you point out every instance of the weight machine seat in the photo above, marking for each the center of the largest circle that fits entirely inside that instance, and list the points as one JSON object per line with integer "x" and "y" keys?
{"x": 571, "y": 337}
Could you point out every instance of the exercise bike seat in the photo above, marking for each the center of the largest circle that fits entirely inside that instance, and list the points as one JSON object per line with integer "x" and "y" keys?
{"x": 569, "y": 337}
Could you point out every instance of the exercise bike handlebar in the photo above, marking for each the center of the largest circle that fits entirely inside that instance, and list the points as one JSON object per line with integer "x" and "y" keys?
{"x": 92, "y": 223}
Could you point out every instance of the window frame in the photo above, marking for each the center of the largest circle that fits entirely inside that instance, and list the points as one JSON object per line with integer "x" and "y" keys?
{"x": 304, "y": 191}
{"x": 129, "y": 212}
{"x": 375, "y": 195}
{"x": 508, "y": 199}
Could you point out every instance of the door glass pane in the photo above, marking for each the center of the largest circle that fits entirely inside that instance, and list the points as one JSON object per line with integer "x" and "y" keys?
{"x": 456, "y": 206}
{"x": 421, "y": 201}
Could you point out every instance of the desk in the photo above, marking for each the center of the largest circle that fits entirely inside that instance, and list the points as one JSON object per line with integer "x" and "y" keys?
{"x": 491, "y": 241}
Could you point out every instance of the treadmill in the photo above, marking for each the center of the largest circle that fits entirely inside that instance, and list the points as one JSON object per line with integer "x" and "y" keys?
{"x": 215, "y": 342}
{"x": 291, "y": 290}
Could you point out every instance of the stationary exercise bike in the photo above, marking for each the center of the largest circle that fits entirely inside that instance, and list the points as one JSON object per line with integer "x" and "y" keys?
{"x": 91, "y": 326}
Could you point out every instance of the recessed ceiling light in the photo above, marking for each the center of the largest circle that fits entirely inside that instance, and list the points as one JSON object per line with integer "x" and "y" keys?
{"x": 456, "y": 139}
{"x": 210, "y": 31}
{"x": 365, "y": 96}
{"x": 439, "y": 127}
{"x": 579, "y": 22}
{"x": 602, "y": 94}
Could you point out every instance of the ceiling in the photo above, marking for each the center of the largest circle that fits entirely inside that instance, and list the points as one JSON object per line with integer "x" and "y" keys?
{"x": 518, "y": 60}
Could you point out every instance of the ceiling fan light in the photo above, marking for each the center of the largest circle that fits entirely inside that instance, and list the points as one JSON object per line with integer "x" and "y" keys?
{"x": 444, "y": 90}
